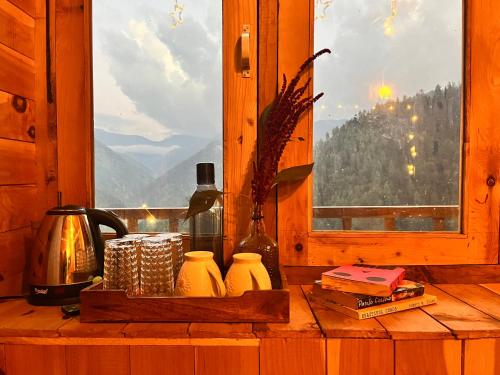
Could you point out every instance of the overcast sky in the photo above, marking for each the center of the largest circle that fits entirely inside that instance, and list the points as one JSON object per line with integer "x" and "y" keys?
{"x": 422, "y": 48}
{"x": 154, "y": 80}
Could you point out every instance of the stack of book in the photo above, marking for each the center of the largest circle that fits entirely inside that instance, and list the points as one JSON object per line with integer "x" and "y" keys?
{"x": 367, "y": 291}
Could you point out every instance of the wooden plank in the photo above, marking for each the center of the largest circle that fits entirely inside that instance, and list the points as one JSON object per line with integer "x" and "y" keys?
{"x": 233, "y": 330}
{"x": 17, "y": 29}
{"x": 17, "y": 73}
{"x": 413, "y": 325}
{"x": 17, "y": 162}
{"x": 294, "y": 211}
{"x": 13, "y": 247}
{"x": 240, "y": 121}
{"x": 35, "y": 359}
{"x": 302, "y": 322}
{"x": 46, "y": 132}
{"x": 443, "y": 274}
{"x": 19, "y": 319}
{"x": 463, "y": 320}
{"x": 267, "y": 84}
{"x": 359, "y": 357}
{"x": 493, "y": 287}
{"x": 150, "y": 360}
{"x": 98, "y": 360}
{"x": 482, "y": 357}
{"x": 17, "y": 116}
{"x": 337, "y": 325}
{"x": 76, "y": 329}
{"x": 292, "y": 356}
{"x": 16, "y": 205}
{"x": 475, "y": 295}
{"x": 229, "y": 360}
{"x": 27, "y": 6}
{"x": 436, "y": 357}
{"x": 2, "y": 359}
{"x": 74, "y": 108}
{"x": 157, "y": 330}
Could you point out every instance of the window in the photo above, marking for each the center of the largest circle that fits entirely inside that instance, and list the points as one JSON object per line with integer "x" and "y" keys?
{"x": 157, "y": 68}
{"x": 387, "y": 132}
{"x": 445, "y": 237}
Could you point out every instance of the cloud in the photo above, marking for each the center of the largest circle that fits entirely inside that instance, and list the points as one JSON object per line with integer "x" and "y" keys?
{"x": 424, "y": 51}
{"x": 145, "y": 149}
{"x": 171, "y": 76}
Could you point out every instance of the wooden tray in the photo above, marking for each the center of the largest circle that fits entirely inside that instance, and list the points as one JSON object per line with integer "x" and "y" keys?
{"x": 263, "y": 306}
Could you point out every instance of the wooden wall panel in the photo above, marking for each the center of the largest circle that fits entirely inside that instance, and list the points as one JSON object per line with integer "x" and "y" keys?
{"x": 292, "y": 356}
{"x": 17, "y": 115}
{"x": 17, "y": 73}
{"x": 13, "y": 245}
{"x": 16, "y": 206}
{"x": 267, "y": 85}
{"x": 482, "y": 357}
{"x": 227, "y": 360}
{"x": 17, "y": 162}
{"x": 2, "y": 359}
{"x": 97, "y": 360}
{"x": 167, "y": 360}
{"x": 240, "y": 121}
{"x": 28, "y": 6}
{"x": 17, "y": 29}
{"x": 436, "y": 357}
{"x": 73, "y": 97}
{"x": 35, "y": 360}
{"x": 360, "y": 357}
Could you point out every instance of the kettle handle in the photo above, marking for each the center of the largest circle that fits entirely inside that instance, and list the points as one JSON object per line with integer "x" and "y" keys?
{"x": 107, "y": 218}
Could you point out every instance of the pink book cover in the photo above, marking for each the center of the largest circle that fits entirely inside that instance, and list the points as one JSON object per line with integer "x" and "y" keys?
{"x": 388, "y": 276}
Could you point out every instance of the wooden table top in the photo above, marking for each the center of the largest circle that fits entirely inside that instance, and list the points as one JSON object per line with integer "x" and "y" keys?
{"x": 463, "y": 311}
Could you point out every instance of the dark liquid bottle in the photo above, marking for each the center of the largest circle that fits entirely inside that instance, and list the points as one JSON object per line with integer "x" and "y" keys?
{"x": 205, "y": 228}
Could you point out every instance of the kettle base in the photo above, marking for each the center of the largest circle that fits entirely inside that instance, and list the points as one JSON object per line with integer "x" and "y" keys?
{"x": 56, "y": 295}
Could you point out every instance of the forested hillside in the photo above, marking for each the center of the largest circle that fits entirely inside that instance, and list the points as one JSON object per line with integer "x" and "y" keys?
{"x": 403, "y": 152}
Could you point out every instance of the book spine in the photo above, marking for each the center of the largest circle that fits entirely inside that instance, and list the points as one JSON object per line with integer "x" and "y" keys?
{"x": 410, "y": 304}
{"x": 369, "y": 301}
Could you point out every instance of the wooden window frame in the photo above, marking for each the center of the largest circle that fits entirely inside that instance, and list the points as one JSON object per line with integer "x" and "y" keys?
{"x": 477, "y": 243}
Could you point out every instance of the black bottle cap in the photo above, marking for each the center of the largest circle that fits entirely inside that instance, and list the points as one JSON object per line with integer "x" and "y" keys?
{"x": 205, "y": 174}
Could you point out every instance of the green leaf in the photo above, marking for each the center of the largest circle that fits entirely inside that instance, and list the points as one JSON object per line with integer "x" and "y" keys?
{"x": 202, "y": 201}
{"x": 297, "y": 173}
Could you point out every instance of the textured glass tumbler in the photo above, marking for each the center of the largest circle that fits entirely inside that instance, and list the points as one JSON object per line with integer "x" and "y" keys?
{"x": 120, "y": 265}
{"x": 157, "y": 277}
{"x": 175, "y": 240}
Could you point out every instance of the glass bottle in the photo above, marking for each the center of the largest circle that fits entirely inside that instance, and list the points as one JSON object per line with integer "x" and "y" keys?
{"x": 259, "y": 242}
{"x": 205, "y": 228}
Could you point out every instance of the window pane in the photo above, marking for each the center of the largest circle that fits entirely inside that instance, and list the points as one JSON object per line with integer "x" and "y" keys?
{"x": 157, "y": 105}
{"x": 387, "y": 131}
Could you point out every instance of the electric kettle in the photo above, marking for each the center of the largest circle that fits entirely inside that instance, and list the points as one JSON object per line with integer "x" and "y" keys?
{"x": 68, "y": 253}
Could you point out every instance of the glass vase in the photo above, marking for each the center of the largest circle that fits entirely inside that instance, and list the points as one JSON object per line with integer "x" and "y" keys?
{"x": 259, "y": 242}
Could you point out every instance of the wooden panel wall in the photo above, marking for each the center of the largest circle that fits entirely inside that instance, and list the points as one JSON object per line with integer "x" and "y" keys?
{"x": 21, "y": 99}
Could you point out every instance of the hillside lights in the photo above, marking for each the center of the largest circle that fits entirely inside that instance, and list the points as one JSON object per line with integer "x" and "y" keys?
{"x": 411, "y": 169}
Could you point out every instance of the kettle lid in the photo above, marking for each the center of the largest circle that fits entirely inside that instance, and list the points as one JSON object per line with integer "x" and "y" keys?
{"x": 67, "y": 210}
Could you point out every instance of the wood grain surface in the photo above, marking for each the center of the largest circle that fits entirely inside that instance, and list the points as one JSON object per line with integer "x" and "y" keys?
{"x": 292, "y": 356}
{"x": 17, "y": 29}
{"x": 27, "y": 6}
{"x": 17, "y": 162}
{"x": 152, "y": 360}
{"x": 359, "y": 357}
{"x": 35, "y": 360}
{"x": 227, "y": 360}
{"x": 436, "y": 357}
{"x": 97, "y": 360}
{"x": 17, "y": 116}
{"x": 482, "y": 357}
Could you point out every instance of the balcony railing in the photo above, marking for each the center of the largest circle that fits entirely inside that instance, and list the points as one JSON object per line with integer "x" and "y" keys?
{"x": 389, "y": 214}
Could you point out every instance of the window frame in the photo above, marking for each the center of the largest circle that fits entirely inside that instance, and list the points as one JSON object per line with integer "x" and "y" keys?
{"x": 477, "y": 243}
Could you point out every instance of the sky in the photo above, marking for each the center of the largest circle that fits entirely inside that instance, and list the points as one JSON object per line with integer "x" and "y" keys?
{"x": 157, "y": 80}
{"x": 403, "y": 45}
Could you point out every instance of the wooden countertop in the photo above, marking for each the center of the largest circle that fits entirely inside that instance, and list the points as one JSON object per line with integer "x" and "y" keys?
{"x": 463, "y": 311}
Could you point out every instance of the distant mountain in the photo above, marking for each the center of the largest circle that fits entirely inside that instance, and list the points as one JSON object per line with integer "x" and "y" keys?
{"x": 157, "y": 156}
{"x": 118, "y": 178}
{"x": 174, "y": 187}
{"x": 321, "y": 127}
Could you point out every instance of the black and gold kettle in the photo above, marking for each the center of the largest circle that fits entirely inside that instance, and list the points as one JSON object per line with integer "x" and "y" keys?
{"x": 68, "y": 253}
